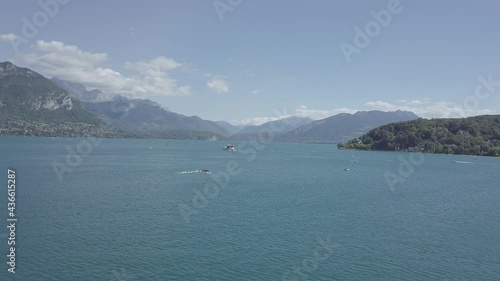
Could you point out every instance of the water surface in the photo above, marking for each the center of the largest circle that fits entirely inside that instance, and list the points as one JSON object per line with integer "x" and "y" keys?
{"x": 117, "y": 214}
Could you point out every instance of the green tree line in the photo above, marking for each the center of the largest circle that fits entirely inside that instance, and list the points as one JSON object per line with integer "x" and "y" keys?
{"x": 479, "y": 135}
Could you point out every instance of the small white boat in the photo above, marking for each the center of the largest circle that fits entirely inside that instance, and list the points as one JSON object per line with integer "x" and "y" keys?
{"x": 230, "y": 147}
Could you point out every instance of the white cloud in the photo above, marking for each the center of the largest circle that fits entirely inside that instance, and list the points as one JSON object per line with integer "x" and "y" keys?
{"x": 149, "y": 78}
{"x": 416, "y": 102}
{"x": 255, "y": 120}
{"x": 9, "y": 37}
{"x": 155, "y": 66}
{"x": 218, "y": 85}
{"x": 184, "y": 90}
{"x": 247, "y": 73}
{"x": 303, "y": 111}
{"x": 425, "y": 108}
{"x": 254, "y": 92}
{"x": 380, "y": 105}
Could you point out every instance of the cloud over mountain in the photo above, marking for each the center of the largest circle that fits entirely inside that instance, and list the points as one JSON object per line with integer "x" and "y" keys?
{"x": 428, "y": 109}
{"x": 148, "y": 77}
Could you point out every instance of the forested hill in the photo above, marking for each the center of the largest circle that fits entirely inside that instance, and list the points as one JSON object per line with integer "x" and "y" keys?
{"x": 478, "y": 135}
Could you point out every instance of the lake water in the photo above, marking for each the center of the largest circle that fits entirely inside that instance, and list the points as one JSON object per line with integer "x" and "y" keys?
{"x": 283, "y": 212}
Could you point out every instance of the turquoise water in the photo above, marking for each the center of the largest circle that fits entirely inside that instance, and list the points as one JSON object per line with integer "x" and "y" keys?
{"x": 289, "y": 211}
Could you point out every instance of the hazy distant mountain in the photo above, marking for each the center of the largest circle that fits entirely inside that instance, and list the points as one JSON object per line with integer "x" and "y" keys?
{"x": 151, "y": 114}
{"x": 230, "y": 128}
{"x": 144, "y": 112}
{"x": 277, "y": 127}
{"x": 344, "y": 126}
{"x": 79, "y": 91}
{"x": 283, "y": 125}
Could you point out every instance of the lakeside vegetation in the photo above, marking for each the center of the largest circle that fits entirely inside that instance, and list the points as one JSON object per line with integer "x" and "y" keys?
{"x": 478, "y": 135}
{"x": 69, "y": 129}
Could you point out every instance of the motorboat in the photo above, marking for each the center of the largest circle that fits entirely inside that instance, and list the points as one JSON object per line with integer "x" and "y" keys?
{"x": 230, "y": 147}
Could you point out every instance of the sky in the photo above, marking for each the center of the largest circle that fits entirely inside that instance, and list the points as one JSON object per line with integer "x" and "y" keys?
{"x": 248, "y": 62}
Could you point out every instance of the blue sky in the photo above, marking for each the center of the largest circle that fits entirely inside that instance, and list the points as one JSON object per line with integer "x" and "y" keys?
{"x": 255, "y": 61}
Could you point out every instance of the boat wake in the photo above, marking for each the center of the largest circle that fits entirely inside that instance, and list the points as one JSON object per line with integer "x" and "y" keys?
{"x": 462, "y": 162}
{"x": 206, "y": 171}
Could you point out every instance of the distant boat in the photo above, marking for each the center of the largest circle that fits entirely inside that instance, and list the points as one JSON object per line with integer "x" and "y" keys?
{"x": 230, "y": 147}
{"x": 206, "y": 171}
{"x": 346, "y": 169}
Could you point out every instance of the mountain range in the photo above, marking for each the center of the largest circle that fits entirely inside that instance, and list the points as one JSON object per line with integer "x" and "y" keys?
{"x": 139, "y": 112}
{"x": 278, "y": 127}
{"x": 344, "y": 126}
{"x": 27, "y": 95}
{"x": 31, "y": 104}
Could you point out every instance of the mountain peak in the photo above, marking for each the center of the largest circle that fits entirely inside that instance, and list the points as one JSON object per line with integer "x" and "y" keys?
{"x": 28, "y": 96}
{"x": 7, "y": 65}
{"x": 80, "y": 92}
{"x": 7, "y": 68}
